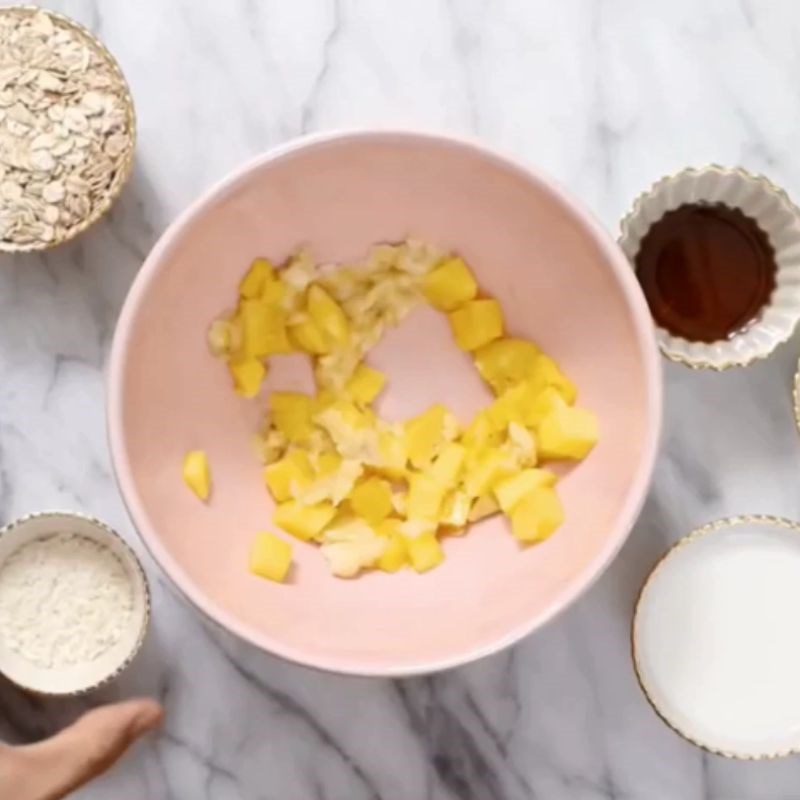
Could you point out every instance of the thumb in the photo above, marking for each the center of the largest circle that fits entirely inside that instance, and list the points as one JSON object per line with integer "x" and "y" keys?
{"x": 53, "y": 768}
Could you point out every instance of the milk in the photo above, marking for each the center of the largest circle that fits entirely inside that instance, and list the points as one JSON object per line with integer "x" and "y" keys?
{"x": 717, "y": 639}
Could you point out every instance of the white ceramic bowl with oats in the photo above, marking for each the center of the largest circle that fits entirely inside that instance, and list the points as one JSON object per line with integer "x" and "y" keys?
{"x": 67, "y": 129}
{"x": 74, "y": 603}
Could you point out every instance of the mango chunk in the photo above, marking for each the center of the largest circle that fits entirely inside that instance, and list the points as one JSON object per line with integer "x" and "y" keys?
{"x": 393, "y": 455}
{"x": 515, "y": 404}
{"x": 537, "y": 515}
{"x": 521, "y": 445}
{"x": 264, "y": 330}
{"x": 247, "y": 374}
{"x": 291, "y": 414}
{"x": 455, "y": 509}
{"x": 270, "y": 557}
{"x": 425, "y": 434}
{"x": 447, "y": 466}
{"x": 197, "y": 474}
{"x": 365, "y": 384}
{"x": 327, "y": 462}
{"x": 286, "y": 477}
{"x": 328, "y": 315}
{"x": 425, "y": 495}
{"x": 424, "y": 552}
{"x": 484, "y": 506}
{"x": 309, "y": 337}
{"x": 395, "y": 554}
{"x": 260, "y": 272}
{"x": 546, "y": 373}
{"x": 274, "y": 293}
{"x": 449, "y": 285}
{"x": 372, "y": 500}
{"x": 505, "y": 362}
{"x": 489, "y": 467}
{"x": 509, "y": 491}
{"x": 567, "y": 433}
{"x": 303, "y": 521}
{"x": 545, "y": 403}
{"x": 476, "y": 323}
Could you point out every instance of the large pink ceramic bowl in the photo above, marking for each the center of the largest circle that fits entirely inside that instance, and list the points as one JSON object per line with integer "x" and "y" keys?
{"x": 562, "y": 282}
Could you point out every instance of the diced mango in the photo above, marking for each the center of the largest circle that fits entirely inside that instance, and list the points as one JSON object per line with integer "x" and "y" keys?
{"x": 537, "y": 515}
{"x": 270, "y": 557}
{"x": 284, "y": 478}
{"x": 449, "y": 285}
{"x": 455, "y": 509}
{"x": 395, "y": 554}
{"x": 309, "y": 337}
{"x": 274, "y": 293}
{"x": 484, "y": 506}
{"x": 424, "y": 552}
{"x": 290, "y": 413}
{"x": 327, "y": 462}
{"x": 567, "y": 433}
{"x": 393, "y": 455}
{"x": 505, "y": 362}
{"x": 489, "y": 467}
{"x": 476, "y": 323}
{"x": 521, "y": 445}
{"x": 424, "y": 434}
{"x": 479, "y": 435}
{"x": 546, "y": 373}
{"x": 197, "y": 474}
{"x": 372, "y": 500}
{"x": 304, "y": 522}
{"x": 247, "y": 374}
{"x": 328, "y": 315}
{"x": 513, "y": 405}
{"x": 509, "y": 491}
{"x": 263, "y": 329}
{"x": 425, "y": 495}
{"x": 260, "y": 272}
{"x": 447, "y": 466}
{"x": 546, "y": 402}
{"x": 365, "y": 384}
{"x": 411, "y": 528}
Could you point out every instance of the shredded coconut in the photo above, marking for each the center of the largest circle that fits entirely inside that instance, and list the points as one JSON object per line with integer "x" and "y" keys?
{"x": 64, "y": 600}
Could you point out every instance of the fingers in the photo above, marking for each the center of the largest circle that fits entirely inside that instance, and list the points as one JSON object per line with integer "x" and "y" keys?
{"x": 53, "y": 768}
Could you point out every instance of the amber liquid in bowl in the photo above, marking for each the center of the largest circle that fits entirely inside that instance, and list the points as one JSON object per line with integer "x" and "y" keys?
{"x": 707, "y": 270}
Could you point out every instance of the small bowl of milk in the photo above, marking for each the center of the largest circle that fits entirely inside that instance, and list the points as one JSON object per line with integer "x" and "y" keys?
{"x": 715, "y": 641}
{"x": 74, "y": 603}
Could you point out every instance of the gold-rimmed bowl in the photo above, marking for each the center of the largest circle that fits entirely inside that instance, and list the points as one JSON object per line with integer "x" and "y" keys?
{"x": 773, "y": 211}
{"x": 81, "y": 677}
{"x": 123, "y": 172}
{"x": 648, "y": 649}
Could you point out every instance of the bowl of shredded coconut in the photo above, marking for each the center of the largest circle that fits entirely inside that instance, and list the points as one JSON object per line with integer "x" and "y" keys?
{"x": 74, "y": 603}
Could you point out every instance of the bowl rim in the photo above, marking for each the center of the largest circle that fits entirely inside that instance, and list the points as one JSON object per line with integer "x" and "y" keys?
{"x": 637, "y": 491}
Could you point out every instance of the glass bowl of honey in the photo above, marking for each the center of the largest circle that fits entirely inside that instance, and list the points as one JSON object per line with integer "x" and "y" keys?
{"x": 717, "y": 254}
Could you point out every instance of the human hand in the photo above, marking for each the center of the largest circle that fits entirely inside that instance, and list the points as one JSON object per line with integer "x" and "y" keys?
{"x": 52, "y": 769}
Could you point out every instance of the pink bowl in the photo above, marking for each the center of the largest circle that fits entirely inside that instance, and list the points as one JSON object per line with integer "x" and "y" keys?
{"x": 562, "y": 282}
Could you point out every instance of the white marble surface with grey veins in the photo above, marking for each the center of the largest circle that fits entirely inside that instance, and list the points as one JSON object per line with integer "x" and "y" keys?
{"x": 606, "y": 95}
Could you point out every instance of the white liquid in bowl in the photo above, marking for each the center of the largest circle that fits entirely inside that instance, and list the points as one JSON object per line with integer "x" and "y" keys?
{"x": 717, "y": 639}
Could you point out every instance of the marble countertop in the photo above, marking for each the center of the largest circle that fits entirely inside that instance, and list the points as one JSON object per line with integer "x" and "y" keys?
{"x": 607, "y": 96}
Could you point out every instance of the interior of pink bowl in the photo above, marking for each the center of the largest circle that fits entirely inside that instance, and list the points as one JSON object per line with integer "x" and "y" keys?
{"x": 561, "y": 282}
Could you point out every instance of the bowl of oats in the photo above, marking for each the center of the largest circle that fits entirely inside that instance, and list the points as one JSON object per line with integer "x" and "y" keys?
{"x": 67, "y": 129}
